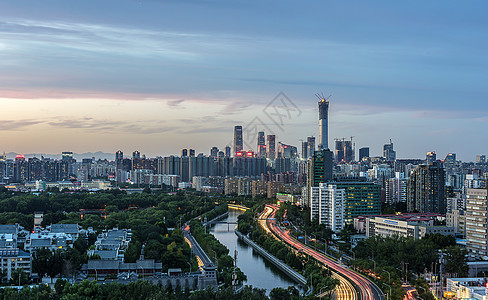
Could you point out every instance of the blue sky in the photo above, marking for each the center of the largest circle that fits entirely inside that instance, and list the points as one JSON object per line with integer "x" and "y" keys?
{"x": 158, "y": 76}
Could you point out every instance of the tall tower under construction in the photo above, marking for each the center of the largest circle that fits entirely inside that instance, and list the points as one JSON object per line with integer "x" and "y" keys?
{"x": 323, "y": 122}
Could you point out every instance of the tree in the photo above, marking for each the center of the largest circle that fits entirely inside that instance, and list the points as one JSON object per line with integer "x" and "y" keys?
{"x": 456, "y": 261}
{"x": 19, "y": 277}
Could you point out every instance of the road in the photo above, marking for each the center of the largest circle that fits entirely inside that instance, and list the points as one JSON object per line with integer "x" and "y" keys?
{"x": 368, "y": 290}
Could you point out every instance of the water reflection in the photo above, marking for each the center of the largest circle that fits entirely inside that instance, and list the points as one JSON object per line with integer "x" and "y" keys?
{"x": 260, "y": 273}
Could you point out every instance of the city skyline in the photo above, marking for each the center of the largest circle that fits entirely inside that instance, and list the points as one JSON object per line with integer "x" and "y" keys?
{"x": 144, "y": 78}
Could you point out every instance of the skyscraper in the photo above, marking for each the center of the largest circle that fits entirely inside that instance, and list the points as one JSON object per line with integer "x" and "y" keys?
{"x": 261, "y": 145}
{"x": 214, "y": 152}
{"x": 476, "y": 221}
{"x": 271, "y": 148}
{"x": 430, "y": 157}
{"x": 339, "y": 151}
{"x": 388, "y": 153}
{"x": 119, "y": 156}
{"x": 323, "y": 124}
{"x": 304, "y": 149}
{"x": 227, "y": 151}
{"x": 311, "y": 146}
{"x": 184, "y": 152}
{"x": 363, "y": 153}
{"x": 426, "y": 189}
{"x": 238, "y": 143}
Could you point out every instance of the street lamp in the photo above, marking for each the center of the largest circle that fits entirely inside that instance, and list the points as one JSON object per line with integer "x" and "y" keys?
{"x": 389, "y": 275}
{"x": 389, "y": 294}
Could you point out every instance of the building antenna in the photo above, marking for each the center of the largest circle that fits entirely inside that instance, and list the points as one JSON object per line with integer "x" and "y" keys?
{"x": 322, "y": 97}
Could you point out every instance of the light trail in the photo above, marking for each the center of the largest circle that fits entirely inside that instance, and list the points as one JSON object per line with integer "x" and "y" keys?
{"x": 368, "y": 290}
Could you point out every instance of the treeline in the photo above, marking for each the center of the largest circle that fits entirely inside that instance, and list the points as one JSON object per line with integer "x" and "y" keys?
{"x": 387, "y": 257}
{"x": 420, "y": 255}
{"x": 132, "y": 291}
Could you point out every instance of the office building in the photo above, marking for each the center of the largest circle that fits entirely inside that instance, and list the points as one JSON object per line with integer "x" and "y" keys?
{"x": 238, "y": 141}
{"x": 388, "y": 153}
{"x": 426, "y": 189}
{"x": 12, "y": 259}
{"x": 227, "y": 151}
{"x": 311, "y": 146}
{"x": 476, "y": 221}
{"x": 339, "y": 151}
{"x": 481, "y": 159}
{"x": 304, "y": 149}
{"x": 287, "y": 151}
{"x": 271, "y": 147}
{"x": 323, "y": 124}
{"x": 214, "y": 152}
{"x": 363, "y": 153}
{"x": 430, "y": 157}
{"x": 261, "y": 145}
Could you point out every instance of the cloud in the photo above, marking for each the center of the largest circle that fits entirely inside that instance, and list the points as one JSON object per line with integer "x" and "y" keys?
{"x": 17, "y": 124}
{"x": 175, "y": 103}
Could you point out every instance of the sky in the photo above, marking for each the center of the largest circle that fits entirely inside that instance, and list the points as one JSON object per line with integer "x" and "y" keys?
{"x": 158, "y": 76}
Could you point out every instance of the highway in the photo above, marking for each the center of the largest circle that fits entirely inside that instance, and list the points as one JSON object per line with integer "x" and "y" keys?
{"x": 368, "y": 290}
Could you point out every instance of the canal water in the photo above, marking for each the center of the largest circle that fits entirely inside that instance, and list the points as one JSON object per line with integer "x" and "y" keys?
{"x": 260, "y": 273}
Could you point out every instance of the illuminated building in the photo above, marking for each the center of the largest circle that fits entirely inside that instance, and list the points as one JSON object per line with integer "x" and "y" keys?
{"x": 323, "y": 124}
{"x": 426, "y": 189}
{"x": 214, "y": 152}
{"x": 238, "y": 141}
{"x": 360, "y": 198}
{"x": 311, "y": 146}
{"x": 363, "y": 153}
{"x": 476, "y": 221}
{"x": 261, "y": 145}
{"x": 327, "y": 206}
{"x": 271, "y": 147}
{"x": 388, "y": 153}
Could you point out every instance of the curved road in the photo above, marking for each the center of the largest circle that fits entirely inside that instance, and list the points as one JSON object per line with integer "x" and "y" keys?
{"x": 368, "y": 290}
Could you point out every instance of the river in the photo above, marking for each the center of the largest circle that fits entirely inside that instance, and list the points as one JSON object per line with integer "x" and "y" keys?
{"x": 260, "y": 273}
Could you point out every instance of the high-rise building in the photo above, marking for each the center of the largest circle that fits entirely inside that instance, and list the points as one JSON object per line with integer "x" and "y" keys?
{"x": 426, "y": 189}
{"x": 363, "y": 153}
{"x": 227, "y": 151}
{"x": 323, "y": 124}
{"x": 348, "y": 151}
{"x": 184, "y": 152}
{"x": 214, "y": 152}
{"x": 476, "y": 221}
{"x": 287, "y": 151}
{"x": 480, "y": 159}
{"x": 238, "y": 141}
{"x": 67, "y": 156}
{"x": 396, "y": 189}
{"x": 339, "y": 151}
{"x": 304, "y": 149}
{"x": 430, "y": 157}
{"x": 271, "y": 148}
{"x": 191, "y": 152}
{"x": 119, "y": 156}
{"x": 20, "y": 172}
{"x": 261, "y": 145}
{"x": 450, "y": 161}
{"x": 388, "y": 153}
{"x": 311, "y": 146}
{"x": 327, "y": 206}
{"x": 136, "y": 155}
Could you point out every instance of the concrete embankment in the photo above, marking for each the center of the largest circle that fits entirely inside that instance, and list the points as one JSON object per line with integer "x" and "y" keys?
{"x": 297, "y": 277}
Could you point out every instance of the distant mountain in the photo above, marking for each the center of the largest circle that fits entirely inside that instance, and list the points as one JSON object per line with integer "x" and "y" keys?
{"x": 77, "y": 156}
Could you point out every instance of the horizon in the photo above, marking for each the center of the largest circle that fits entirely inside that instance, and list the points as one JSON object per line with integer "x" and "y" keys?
{"x": 146, "y": 78}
